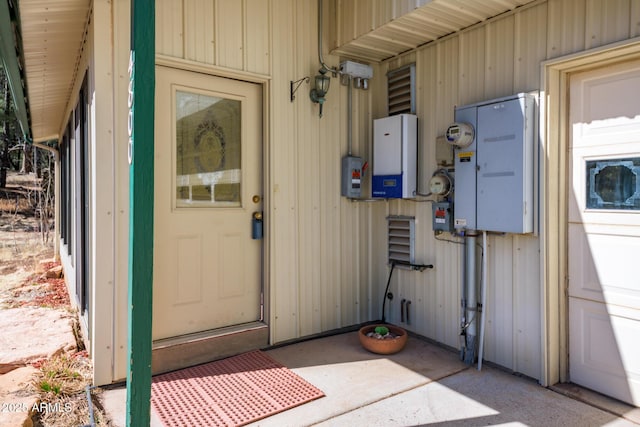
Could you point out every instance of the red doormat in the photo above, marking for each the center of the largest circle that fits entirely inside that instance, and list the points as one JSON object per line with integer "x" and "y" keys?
{"x": 229, "y": 392}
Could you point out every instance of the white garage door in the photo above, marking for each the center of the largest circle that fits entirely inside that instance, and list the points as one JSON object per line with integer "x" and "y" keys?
{"x": 604, "y": 231}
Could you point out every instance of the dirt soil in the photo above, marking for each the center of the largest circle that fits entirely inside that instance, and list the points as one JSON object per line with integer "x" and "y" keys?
{"x": 31, "y": 277}
{"x": 22, "y": 244}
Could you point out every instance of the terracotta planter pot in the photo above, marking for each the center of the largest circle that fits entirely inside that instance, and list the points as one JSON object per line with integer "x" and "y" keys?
{"x": 379, "y": 346}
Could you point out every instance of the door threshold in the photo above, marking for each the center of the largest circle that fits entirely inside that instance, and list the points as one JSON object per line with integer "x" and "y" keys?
{"x": 193, "y": 349}
{"x": 206, "y": 335}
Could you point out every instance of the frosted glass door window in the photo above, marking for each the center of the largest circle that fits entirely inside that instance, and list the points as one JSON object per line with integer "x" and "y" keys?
{"x": 208, "y": 151}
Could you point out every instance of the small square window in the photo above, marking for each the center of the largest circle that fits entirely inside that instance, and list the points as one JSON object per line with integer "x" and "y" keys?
{"x": 613, "y": 184}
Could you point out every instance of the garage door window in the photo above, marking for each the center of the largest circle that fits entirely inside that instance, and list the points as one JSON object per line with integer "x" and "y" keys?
{"x": 613, "y": 184}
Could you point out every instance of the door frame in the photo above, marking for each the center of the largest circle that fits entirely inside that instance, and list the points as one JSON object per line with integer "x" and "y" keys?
{"x": 265, "y": 82}
{"x": 554, "y": 185}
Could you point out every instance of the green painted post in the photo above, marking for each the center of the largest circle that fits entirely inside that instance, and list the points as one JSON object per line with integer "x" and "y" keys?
{"x": 141, "y": 139}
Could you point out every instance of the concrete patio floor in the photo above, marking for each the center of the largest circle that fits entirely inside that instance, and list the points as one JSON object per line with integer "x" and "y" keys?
{"x": 422, "y": 385}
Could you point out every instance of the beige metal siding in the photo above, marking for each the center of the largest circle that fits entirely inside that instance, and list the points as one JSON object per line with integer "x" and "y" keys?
{"x": 530, "y": 46}
{"x": 257, "y": 29}
{"x": 319, "y": 253}
{"x": 169, "y": 28}
{"x": 607, "y": 22}
{"x": 229, "y": 28}
{"x": 200, "y": 34}
{"x": 496, "y": 59}
{"x": 226, "y": 33}
{"x": 326, "y": 263}
{"x": 102, "y": 235}
{"x": 121, "y": 30}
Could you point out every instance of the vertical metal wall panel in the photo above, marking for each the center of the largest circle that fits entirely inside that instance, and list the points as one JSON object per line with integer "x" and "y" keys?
{"x": 307, "y": 174}
{"x": 426, "y": 86}
{"x": 169, "y": 24}
{"x": 199, "y": 34}
{"x": 349, "y": 283}
{"x": 103, "y": 308}
{"x": 499, "y": 58}
{"x": 257, "y": 36}
{"x": 230, "y": 28}
{"x": 527, "y": 305}
{"x": 345, "y": 286}
{"x": 447, "y": 93}
{"x": 472, "y": 66}
{"x": 530, "y": 47}
{"x": 607, "y": 21}
{"x": 283, "y": 234}
{"x": 329, "y": 237}
{"x": 120, "y": 172}
{"x": 500, "y": 308}
{"x": 634, "y": 19}
{"x": 361, "y": 131}
{"x": 383, "y": 13}
{"x": 346, "y": 16}
{"x": 363, "y": 19}
{"x": 566, "y": 27}
{"x": 354, "y": 283}
{"x": 402, "y": 7}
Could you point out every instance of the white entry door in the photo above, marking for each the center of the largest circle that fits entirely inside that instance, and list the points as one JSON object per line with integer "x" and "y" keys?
{"x": 604, "y": 231}
{"x": 208, "y": 186}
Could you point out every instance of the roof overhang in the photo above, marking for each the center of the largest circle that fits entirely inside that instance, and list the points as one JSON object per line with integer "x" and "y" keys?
{"x": 12, "y": 62}
{"x": 52, "y": 35}
{"x": 431, "y": 21}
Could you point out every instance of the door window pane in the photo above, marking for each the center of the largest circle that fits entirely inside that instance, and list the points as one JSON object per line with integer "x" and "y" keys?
{"x": 208, "y": 147}
{"x": 613, "y": 184}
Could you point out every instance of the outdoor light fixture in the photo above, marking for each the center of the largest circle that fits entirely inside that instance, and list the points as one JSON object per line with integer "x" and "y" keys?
{"x": 320, "y": 89}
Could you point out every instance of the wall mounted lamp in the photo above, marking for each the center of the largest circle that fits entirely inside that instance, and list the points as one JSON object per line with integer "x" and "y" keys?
{"x": 320, "y": 88}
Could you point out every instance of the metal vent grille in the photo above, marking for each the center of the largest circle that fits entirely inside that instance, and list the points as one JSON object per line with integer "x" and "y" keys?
{"x": 401, "y": 90}
{"x": 401, "y": 239}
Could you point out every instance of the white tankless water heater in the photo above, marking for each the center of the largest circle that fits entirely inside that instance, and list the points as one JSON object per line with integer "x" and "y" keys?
{"x": 395, "y": 156}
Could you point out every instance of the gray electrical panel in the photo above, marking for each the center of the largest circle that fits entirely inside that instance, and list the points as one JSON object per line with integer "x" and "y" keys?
{"x": 494, "y": 175}
{"x": 351, "y": 177}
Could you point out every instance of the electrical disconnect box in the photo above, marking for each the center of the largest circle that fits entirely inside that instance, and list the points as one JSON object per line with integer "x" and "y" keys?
{"x": 395, "y": 148}
{"x": 351, "y": 177}
{"x": 494, "y": 159}
{"x": 442, "y": 216}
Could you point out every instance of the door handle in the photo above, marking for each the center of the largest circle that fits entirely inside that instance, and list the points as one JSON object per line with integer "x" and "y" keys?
{"x": 257, "y": 226}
